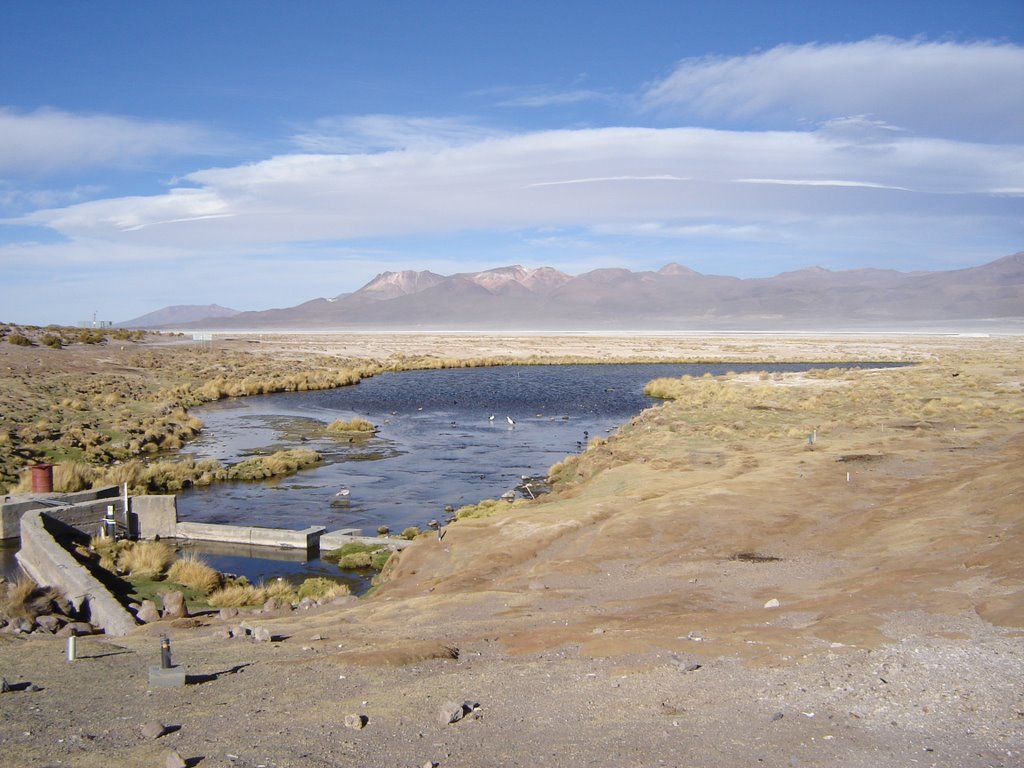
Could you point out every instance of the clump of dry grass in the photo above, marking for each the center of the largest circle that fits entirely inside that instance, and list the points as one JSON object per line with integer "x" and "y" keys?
{"x": 24, "y": 599}
{"x": 485, "y": 508}
{"x": 146, "y": 558}
{"x": 321, "y": 588}
{"x": 358, "y": 424}
{"x": 237, "y": 595}
{"x": 191, "y": 571}
{"x": 241, "y": 593}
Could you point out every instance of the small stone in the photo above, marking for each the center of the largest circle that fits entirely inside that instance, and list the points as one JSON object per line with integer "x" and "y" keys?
{"x": 228, "y": 613}
{"x": 174, "y": 760}
{"x": 306, "y": 603}
{"x": 773, "y": 603}
{"x": 356, "y": 722}
{"x": 777, "y": 716}
{"x": 451, "y": 713}
{"x": 261, "y": 635}
{"x": 79, "y": 628}
{"x": 153, "y": 730}
{"x": 224, "y": 633}
{"x": 430, "y": 764}
{"x": 314, "y": 638}
{"x": 49, "y": 623}
{"x": 147, "y": 612}
{"x": 5, "y": 687}
{"x": 240, "y": 631}
{"x": 174, "y": 604}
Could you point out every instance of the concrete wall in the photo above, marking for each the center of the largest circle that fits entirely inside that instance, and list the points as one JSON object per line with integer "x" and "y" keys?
{"x": 14, "y": 506}
{"x": 49, "y": 564}
{"x": 309, "y": 539}
{"x": 153, "y": 517}
{"x": 337, "y": 539}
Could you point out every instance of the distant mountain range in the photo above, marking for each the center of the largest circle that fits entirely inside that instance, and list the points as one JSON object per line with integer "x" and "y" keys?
{"x": 672, "y": 298}
{"x": 179, "y": 315}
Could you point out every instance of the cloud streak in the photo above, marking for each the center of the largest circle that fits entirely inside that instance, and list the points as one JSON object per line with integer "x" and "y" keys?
{"x": 44, "y": 142}
{"x": 948, "y": 89}
{"x": 554, "y": 178}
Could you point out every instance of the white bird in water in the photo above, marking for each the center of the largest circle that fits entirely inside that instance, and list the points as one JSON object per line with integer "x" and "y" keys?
{"x": 491, "y": 417}
{"x": 343, "y": 492}
{"x": 510, "y": 420}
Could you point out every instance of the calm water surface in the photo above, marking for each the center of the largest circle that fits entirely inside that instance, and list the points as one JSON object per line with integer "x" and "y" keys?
{"x": 437, "y": 446}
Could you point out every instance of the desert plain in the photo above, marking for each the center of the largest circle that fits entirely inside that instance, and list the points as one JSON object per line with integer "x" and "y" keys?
{"x": 819, "y": 569}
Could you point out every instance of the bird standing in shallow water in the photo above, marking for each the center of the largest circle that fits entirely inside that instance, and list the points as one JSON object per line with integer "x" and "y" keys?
{"x": 343, "y": 492}
{"x": 510, "y": 420}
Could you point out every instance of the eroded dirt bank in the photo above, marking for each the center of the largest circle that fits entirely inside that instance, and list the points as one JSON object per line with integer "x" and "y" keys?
{"x": 622, "y": 620}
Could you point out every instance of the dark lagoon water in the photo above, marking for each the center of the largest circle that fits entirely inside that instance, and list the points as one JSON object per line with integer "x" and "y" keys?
{"x": 437, "y": 446}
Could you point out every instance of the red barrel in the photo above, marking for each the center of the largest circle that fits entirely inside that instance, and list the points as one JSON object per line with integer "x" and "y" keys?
{"x": 42, "y": 478}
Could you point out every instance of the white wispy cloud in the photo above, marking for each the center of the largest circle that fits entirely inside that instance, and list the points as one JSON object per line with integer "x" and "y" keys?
{"x": 48, "y": 141}
{"x": 538, "y": 98}
{"x": 554, "y": 178}
{"x": 374, "y": 133}
{"x": 948, "y": 89}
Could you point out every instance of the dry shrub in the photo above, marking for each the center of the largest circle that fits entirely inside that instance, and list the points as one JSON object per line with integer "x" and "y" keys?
{"x": 358, "y": 424}
{"x": 321, "y": 588}
{"x": 485, "y": 508}
{"x": 354, "y": 560}
{"x": 146, "y": 558}
{"x": 24, "y": 599}
{"x": 280, "y": 589}
{"x": 191, "y": 571}
{"x": 237, "y": 595}
{"x": 72, "y": 476}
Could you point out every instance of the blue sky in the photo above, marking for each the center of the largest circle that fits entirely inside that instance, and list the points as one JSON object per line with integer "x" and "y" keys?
{"x": 258, "y": 154}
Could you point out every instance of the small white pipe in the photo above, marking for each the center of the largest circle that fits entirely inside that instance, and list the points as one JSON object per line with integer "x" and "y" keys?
{"x": 72, "y": 648}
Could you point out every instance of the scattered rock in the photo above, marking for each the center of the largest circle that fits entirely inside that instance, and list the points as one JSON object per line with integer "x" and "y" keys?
{"x": 228, "y": 613}
{"x": 148, "y": 612}
{"x": 78, "y": 628}
{"x": 239, "y": 631}
{"x": 224, "y": 633}
{"x": 773, "y": 603}
{"x": 306, "y": 603}
{"x": 261, "y": 635}
{"x": 273, "y": 604}
{"x": 174, "y": 604}
{"x": 174, "y": 760}
{"x": 154, "y": 730}
{"x": 314, "y": 638}
{"x": 19, "y": 627}
{"x": 777, "y": 716}
{"x": 356, "y": 722}
{"x": 451, "y": 713}
{"x": 5, "y": 687}
{"x": 49, "y": 623}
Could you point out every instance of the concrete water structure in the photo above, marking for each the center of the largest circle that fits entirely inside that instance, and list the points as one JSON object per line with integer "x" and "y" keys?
{"x": 49, "y": 525}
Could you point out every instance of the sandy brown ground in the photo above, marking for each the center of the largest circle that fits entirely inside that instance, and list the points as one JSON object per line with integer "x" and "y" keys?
{"x": 580, "y": 621}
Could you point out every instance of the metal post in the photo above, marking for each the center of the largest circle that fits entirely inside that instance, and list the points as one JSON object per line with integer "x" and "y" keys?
{"x": 165, "y": 653}
{"x": 109, "y": 523}
{"x": 72, "y": 648}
